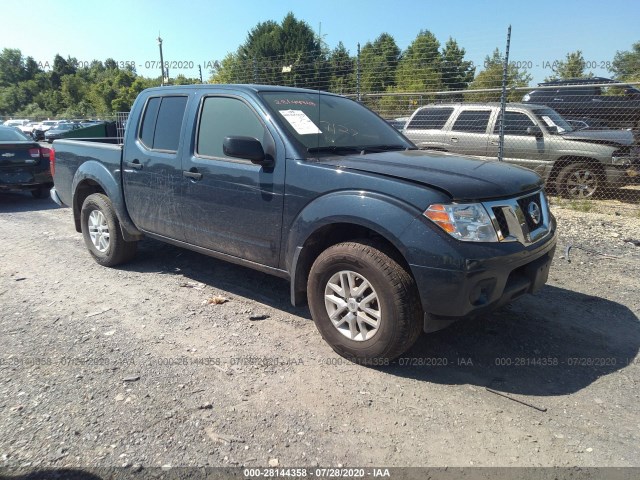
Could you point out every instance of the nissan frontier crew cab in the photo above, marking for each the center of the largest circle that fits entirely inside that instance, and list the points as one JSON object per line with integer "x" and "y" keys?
{"x": 383, "y": 240}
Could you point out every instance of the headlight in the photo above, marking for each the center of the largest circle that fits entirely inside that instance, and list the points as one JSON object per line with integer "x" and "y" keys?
{"x": 469, "y": 222}
{"x": 526, "y": 98}
{"x": 623, "y": 161}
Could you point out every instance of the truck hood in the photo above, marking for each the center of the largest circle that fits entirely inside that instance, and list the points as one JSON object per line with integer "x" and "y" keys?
{"x": 461, "y": 178}
{"x": 601, "y": 137}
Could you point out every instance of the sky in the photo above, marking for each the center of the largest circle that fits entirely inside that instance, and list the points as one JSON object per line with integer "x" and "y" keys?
{"x": 198, "y": 32}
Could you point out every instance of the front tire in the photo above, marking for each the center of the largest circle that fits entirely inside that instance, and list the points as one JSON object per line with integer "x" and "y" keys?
{"x": 102, "y": 234}
{"x": 580, "y": 180}
{"x": 364, "y": 303}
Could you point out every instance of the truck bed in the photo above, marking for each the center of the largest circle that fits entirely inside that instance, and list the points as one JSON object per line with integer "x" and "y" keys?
{"x": 92, "y": 153}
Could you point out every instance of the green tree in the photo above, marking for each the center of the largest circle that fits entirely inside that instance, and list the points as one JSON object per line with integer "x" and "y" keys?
{"x": 419, "y": 68}
{"x": 12, "y": 68}
{"x": 572, "y": 66}
{"x": 378, "y": 64}
{"x": 491, "y": 78}
{"x": 230, "y": 70}
{"x": 288, "y": 53}
{"x": 342, "y": 75}
{"x": 626, "y": 64}
{"x": 457, "y": 73}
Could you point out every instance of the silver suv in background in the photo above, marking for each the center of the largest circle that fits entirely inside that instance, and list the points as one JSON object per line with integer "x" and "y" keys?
{"x": 577, "y": 164}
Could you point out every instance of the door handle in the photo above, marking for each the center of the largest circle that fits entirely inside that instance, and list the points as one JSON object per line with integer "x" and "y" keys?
{"x": 135, "y": 164}
{"x": 454, "y": 139}
{"x": 193, "y": 174}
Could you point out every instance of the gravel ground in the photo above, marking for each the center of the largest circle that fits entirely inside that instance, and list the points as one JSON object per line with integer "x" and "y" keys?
{"x": 178, "y": 359}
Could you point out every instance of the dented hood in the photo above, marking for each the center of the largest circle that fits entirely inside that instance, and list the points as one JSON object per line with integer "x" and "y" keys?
{"x": 602, "y": 137}
{"x": 462, "y": 178}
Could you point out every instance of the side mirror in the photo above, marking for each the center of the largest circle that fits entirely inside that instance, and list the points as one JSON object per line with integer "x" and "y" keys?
{"x": 535, "y": 131}
{"x": 248, "y": 148}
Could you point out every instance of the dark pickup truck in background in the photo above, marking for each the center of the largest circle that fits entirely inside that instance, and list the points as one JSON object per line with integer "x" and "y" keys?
{"x": 586, "y": 100}
{"x": 382, "y": 239}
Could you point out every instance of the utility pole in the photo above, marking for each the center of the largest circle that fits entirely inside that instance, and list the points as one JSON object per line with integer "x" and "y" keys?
{"x": 200, "y": 70}
{"x": 503, "y": 99}
{"x": 161, "y": 62}
{"x": 358, "y": 74}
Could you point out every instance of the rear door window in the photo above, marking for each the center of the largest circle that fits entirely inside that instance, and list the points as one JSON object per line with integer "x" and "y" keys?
{"x": 472, "y": 121}
{"x": 430, "y": 119}
{"x": 162, "y": 123}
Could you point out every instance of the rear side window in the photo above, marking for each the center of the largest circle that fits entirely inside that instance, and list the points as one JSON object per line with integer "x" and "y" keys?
{"x": 515, "y": 123}
{"x": 474, "y": 121}
{"x": 430, "y": 118}
{"x": 224, "y": 117}
{"x": 162, "y": 123}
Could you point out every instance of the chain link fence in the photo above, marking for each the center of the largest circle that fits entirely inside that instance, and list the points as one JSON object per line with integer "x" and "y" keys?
{"x": 579, "y": 132}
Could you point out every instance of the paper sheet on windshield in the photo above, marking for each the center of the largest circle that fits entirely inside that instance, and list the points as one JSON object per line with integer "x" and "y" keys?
{"x": 551, "y": 123}
{"x": 300, "y": 122}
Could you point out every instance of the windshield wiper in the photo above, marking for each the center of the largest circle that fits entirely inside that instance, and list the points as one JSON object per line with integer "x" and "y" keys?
{"x": 385, "y": 148}
{"x": 334, "y": 149}
{"x": 360, "y": 149}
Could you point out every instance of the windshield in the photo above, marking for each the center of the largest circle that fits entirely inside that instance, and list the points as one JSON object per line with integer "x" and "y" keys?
{"x": 330, "y": 124}
{"x": 553, "y": 121}
{"x": 10, "y": 134}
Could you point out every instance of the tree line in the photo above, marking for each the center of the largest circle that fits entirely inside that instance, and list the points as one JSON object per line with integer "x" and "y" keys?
{"x": 286, "y": 53}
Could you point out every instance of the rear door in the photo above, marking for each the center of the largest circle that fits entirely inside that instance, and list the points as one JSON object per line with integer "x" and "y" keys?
{"x": 152, "y": 174}
{"x": 425, "y": 128}
{"x": 231, "y": 205}
{"x": 468, "y": 134}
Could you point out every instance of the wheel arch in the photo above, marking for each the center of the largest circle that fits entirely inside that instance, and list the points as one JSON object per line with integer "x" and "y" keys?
{"x": 93, "y": 177}
{"x": 363, "y": 215}
{"x": 562, "y": 162}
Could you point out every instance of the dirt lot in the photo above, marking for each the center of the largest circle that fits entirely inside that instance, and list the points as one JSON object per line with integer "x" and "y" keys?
{"x": 134, "y": 367}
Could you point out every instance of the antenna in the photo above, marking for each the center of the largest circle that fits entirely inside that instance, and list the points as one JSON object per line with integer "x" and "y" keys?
{"x": 318, "y": 84}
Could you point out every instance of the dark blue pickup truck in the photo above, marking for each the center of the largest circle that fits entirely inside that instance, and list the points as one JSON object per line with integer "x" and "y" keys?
{"x": 382, "y": 240}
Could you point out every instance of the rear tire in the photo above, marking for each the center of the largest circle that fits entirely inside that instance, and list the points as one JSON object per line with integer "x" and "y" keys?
{"x": 102, "y": 234}
{"x": 364, "y": 303}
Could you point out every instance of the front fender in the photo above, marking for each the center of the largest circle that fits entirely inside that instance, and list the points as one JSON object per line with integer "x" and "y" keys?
{"x": 100, "y": 174}
{"x": 384, "y": 215}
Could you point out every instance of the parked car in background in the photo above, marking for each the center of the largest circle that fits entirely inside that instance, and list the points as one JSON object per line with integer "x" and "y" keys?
{"x": 398, "y": 123}
{"x": 27, "y": 128}
{"x": 16, "y": 122}
{"x": 59, "y": 131}
{"x": 615, "y": 106}
{"x": 577, "y": 164}
{"x": 40, "y": 129}
{"x": 586, "y": 123}
{"x": 24, "y": 164}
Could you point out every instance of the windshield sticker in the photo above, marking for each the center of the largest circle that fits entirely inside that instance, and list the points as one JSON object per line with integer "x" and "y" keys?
{"x": 300, "y": 122}
{"x": 551, "y": 123}
{"x": 286, "y": 101}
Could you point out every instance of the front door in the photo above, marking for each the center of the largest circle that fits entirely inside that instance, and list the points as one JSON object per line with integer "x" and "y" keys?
{"x": 231, "y": 205}
{"x": 520, "y": 147}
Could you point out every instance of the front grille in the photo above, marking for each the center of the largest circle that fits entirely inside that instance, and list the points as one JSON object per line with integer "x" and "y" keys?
{"x": 502, "y": 221}
{"x": 512, "y": 216}
{"x": 524, "y": 206}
